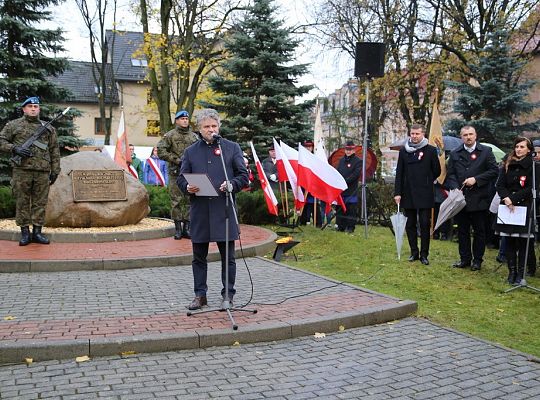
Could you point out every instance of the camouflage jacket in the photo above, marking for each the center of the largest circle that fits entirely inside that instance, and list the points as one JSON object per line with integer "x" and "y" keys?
{"x": 45, "y": 153}
{"x": 171, "y": 147}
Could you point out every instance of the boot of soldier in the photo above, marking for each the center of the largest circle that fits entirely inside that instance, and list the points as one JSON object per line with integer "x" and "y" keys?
{"x": 37, "y": 237}
{"x": 512, "y": 273}
{"x": 177, "y": 229}
{"x": 25, "y": 236}
{"x": 185, "y": 229}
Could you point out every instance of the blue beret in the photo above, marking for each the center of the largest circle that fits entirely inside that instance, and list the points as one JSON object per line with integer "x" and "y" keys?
{"x": 30, "y": 100}
{"x": 181, "y": 113}
{"x": 536, "y": 143}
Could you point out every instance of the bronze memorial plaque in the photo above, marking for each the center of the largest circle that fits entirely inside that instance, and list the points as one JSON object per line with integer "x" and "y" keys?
{"x": 98, "y": 185}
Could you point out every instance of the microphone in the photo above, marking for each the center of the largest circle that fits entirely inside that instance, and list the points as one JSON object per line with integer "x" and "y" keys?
{"x": 215, "y": 136}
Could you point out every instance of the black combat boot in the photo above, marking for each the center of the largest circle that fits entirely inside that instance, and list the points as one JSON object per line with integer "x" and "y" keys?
{"x": 185, "y": 229}
{"x": 512, "y": 273}
{"x": 37, "y": 237}
{"x": 177, "y": 229}
{"x": 25, "y": 236}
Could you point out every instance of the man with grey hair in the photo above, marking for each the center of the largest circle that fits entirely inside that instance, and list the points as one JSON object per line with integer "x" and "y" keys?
{"x": 208, "y": 214}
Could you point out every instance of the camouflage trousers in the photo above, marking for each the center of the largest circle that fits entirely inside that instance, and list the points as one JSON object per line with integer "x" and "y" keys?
{"x": 31, "y": 191}
{"x": 179, "y": 201}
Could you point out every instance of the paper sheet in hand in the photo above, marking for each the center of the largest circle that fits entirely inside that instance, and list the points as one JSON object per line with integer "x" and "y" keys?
{"x": 203, "y": 183}
{"x": 516, "y": 217}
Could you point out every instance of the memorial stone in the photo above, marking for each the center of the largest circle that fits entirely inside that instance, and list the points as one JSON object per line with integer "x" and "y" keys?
{"x": 93, "y": 191}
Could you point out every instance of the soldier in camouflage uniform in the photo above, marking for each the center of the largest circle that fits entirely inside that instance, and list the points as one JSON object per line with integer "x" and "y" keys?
{"x": 39, "y": 168}
{"x": 171, "y": 148}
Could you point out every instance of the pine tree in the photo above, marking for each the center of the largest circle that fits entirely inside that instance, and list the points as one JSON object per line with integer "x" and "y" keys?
{"x": 25, "y": 64}
{"x": 496, "y": 96}
{"x": 259, "y": 83}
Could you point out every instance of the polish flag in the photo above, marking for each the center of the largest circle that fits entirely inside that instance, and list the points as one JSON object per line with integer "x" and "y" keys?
{"x": 283, "y": 162}
{"x": 291, "y": 154}
{"x": 269, "y": 196}
{"x": 122, "y": 155}
{"x": 320, "y": 179}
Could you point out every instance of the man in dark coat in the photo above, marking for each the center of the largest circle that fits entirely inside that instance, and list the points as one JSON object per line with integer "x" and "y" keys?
{"x": 350, "y": 167}
{"x": 473, "y": 167}
{"x": 418, "y": 167}
{"x": 208, "y": 214}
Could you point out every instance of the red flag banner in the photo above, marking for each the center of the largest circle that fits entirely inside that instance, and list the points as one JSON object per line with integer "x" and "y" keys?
{"x": 269, "y": 196}
{"x": 122, "y": 155}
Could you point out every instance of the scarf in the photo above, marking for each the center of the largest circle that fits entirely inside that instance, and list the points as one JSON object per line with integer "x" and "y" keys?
{"x": 411, "y": 147}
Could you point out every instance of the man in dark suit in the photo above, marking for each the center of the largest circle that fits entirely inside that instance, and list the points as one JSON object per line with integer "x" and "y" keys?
{"x": 208, "y": 214}
{"x": 473, "y": 167}
{"x": 418, "y": 167}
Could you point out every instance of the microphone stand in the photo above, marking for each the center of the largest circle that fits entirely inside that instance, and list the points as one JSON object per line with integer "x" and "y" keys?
{"x": 229, "y": 205}
{"x": 532, "y": 217}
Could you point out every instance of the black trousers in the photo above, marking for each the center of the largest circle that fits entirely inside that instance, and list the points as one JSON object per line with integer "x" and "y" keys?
{"x": 476, "y": 220}
{"x": 423, "y": 217}
{"x": 515, "y": 251}
{"x": 346, "y": 221}
{"x": 199, "y": 266}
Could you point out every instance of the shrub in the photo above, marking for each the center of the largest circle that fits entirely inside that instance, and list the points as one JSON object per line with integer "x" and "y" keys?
{"x": 252, "y": 208}
{"x": 7, "y": 202}
{"x": 160, "y": 201}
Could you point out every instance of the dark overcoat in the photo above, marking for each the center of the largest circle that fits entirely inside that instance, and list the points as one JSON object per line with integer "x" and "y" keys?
{"x": 415, "y": 176}
{"x": 351, "y": 169}
{"x": 479, "y": 164}
{"x": 208, "y": 214}
{"x": 516, "y": 183}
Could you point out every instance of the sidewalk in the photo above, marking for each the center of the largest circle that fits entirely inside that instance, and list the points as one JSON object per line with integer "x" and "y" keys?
{"x": 62, "y": 315}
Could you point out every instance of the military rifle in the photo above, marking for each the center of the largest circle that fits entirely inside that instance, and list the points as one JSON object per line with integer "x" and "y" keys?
{"x": 17, "y": 159}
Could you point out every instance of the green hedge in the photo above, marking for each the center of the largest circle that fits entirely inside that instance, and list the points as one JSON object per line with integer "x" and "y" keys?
{"x": 160, "y": 201}
{"x": 252, "y": 208}
{"x": 7, "y": 202}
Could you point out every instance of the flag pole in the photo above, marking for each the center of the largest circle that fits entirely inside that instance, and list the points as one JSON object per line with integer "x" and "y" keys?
{"x": 364, "y": 157}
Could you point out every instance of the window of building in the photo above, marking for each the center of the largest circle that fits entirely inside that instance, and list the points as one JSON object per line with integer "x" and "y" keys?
{"x": 100, "y": 130}
{"x": 136, "y": 62}
{"x": 152, "y": 128}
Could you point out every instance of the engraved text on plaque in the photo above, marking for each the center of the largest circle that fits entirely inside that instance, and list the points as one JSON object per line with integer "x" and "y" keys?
{"x": 98, "y": 185}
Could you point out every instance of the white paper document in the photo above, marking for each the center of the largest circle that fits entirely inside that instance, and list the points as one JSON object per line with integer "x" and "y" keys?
{"x": 516, "y": 217}
{"x": 202, "y": 181}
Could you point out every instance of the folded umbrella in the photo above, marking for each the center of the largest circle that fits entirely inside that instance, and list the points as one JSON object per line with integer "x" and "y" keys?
{"x": 398, "y": 224}
{"x": 454, "y": 203}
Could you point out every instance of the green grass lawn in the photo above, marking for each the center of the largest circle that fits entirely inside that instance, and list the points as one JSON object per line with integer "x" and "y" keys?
{"x": 471, "y": 302}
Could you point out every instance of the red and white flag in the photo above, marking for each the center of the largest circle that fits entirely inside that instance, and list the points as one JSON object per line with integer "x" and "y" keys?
{"x": 291, "y": 154}
{"x": 269, "y": 196}
{"x": 122, "y": 155}
{"x": 283, "y": 163}
{"x": 320, "y": 179}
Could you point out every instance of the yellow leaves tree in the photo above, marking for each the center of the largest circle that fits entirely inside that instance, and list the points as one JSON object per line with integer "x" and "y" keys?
{"x": 187, "y": 49}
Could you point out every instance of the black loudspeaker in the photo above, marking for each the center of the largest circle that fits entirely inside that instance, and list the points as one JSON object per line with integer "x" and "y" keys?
{"x": 369, "y": 60}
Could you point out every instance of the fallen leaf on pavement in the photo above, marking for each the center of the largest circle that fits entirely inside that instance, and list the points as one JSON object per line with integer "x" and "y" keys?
{"x": 82, "y": 359}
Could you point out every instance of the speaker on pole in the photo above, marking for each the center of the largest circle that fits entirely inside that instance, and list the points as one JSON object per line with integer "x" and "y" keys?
{"x": 369, "y": 60}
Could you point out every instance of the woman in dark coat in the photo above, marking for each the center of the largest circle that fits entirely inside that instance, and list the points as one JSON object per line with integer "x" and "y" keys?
{"x": 514, "y": 186}
{"x": 418, "y": 167}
